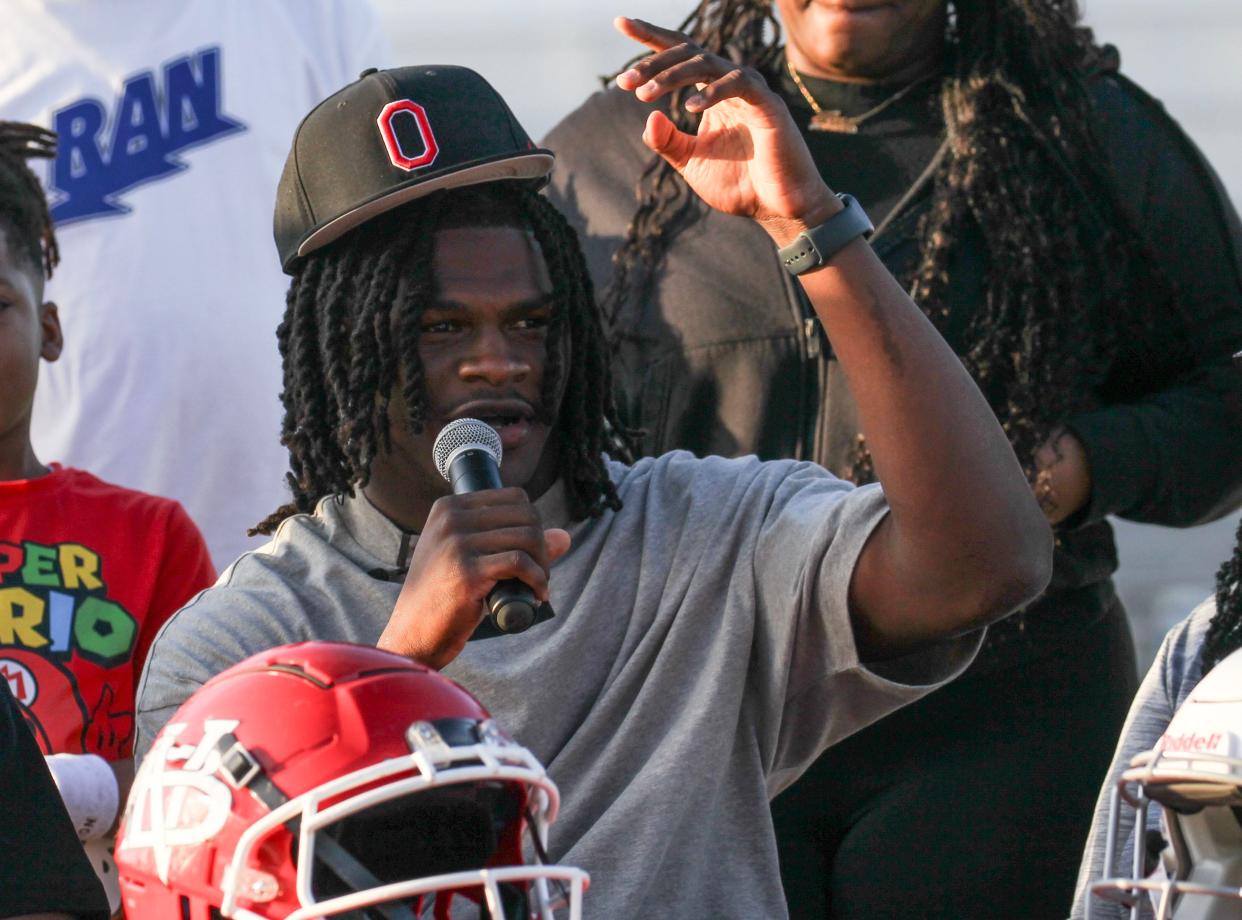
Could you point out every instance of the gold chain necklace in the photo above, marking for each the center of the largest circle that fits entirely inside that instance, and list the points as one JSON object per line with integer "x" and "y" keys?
{"x": 833, "y": 120}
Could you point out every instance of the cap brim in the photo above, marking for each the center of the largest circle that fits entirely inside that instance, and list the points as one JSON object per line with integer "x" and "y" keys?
{"x": 534, "y": 165}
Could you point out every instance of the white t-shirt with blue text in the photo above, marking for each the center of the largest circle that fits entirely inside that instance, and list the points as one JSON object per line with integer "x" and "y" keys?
{"x": 174, "y": 122}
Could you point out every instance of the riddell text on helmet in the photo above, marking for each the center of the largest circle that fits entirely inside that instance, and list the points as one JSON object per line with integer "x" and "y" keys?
{"x": 1213, "y": 742}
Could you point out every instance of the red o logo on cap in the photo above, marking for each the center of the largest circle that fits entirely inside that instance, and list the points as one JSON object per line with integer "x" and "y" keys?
{"x": 418, "y": 115}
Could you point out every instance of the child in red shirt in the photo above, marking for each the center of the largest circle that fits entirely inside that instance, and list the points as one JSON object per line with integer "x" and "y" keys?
{"x": 88, "y": 571}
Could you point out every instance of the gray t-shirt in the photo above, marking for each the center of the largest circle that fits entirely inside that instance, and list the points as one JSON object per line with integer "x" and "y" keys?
{"x": 1175, "y": 672}
{"x": 700, "y": 658}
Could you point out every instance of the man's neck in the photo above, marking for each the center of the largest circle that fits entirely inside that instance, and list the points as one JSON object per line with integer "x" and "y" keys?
{"x": 406, "y": 508}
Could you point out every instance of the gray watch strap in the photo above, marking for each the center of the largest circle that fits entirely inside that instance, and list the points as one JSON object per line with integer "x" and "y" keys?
{"x": 819, "y": 244}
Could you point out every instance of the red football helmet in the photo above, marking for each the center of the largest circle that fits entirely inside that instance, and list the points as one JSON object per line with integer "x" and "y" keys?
{"x": 322, "y": 779}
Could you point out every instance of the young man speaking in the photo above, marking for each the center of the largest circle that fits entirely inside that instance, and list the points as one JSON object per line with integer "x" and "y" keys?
{"x": 717, "y": 622}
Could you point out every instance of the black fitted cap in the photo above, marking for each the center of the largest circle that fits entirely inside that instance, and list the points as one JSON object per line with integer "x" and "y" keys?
{"x": 388, "y": 138}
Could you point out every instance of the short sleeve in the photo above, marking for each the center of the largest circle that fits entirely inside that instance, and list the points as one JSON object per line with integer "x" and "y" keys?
{"x": 42, "y": 863}
{"x": 808, "y": 667}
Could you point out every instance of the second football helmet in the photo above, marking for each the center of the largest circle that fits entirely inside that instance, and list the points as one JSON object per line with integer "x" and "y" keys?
{"x": 1195, "y": 774}
{"x": 324, "y": 779}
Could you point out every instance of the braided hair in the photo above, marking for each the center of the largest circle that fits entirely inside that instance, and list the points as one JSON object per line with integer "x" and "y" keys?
{"x": 1069, "y": 275}
{"x": 1224, "y": 633}
{"x": 350, "y": 336}
{"x": 23, "y": 205}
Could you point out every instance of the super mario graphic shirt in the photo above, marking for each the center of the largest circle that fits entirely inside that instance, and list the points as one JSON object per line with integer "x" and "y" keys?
{"x": 88, "y": 573}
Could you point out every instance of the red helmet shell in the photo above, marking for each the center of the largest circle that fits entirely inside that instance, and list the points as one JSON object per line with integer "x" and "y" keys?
{"x": 307, "y": 713}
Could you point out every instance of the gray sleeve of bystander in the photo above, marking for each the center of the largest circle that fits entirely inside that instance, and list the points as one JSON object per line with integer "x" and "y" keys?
{"x": 1172, "y": 676}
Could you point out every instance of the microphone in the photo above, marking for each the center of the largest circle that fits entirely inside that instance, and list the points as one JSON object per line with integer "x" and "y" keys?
{"x": 467, "y": 453}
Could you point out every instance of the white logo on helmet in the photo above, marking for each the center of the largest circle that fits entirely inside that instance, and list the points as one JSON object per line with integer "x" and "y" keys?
{"x": 407, "y": 112}
{"x": 182, "y": 807}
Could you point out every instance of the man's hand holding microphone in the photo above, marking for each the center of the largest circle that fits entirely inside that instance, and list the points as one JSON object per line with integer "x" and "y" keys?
{"x": 483, "y": 553}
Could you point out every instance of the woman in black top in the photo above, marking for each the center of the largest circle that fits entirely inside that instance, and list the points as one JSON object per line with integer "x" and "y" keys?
{"x": 1077, "y": 251}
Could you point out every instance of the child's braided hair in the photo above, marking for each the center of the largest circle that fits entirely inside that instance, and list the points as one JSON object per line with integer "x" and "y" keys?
{"x": 23, "y": 205}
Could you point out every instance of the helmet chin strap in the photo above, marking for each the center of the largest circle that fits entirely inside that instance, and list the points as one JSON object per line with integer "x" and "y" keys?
{"x": 244, "y": 772}
{"x": 356, "y": 875}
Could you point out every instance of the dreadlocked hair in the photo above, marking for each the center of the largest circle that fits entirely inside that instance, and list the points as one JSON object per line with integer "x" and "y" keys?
{"x": 350, "y": 336}
{"x": 1069, "y": 276}
{"x": 23, "y": 205}
{"x": 1224, "y": 632}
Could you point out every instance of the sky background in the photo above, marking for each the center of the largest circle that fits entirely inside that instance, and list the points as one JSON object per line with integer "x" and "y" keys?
{"x": 545, "y": 56}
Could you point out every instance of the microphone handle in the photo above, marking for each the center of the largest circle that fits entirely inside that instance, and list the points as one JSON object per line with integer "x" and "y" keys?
{"x": 474, "y": 470}
{"x": 511, "y": 604}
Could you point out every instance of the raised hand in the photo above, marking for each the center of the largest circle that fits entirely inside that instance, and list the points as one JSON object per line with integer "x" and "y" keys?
{"x": 747, "y": 158}
{"x": 468, "y": 543}
{"x": 964, "y": 541}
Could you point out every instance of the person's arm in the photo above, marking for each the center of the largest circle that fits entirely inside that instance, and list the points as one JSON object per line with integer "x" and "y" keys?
{"x": 965, "y": 542}
{"x": 123, "y": 773}
{"x": 1167, "y": 446}
{"x": 44, "y": 868}
{"x": 468, "y": 543}
{"x": 1174, "y": 672}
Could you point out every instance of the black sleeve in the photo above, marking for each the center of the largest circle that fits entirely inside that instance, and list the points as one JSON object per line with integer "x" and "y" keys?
{"x": 1171, "y": 453}
{"x": 42, "y": 864}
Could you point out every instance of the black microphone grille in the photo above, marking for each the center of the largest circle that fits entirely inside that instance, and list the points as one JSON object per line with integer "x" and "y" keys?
{"x": 465, "y": 434}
